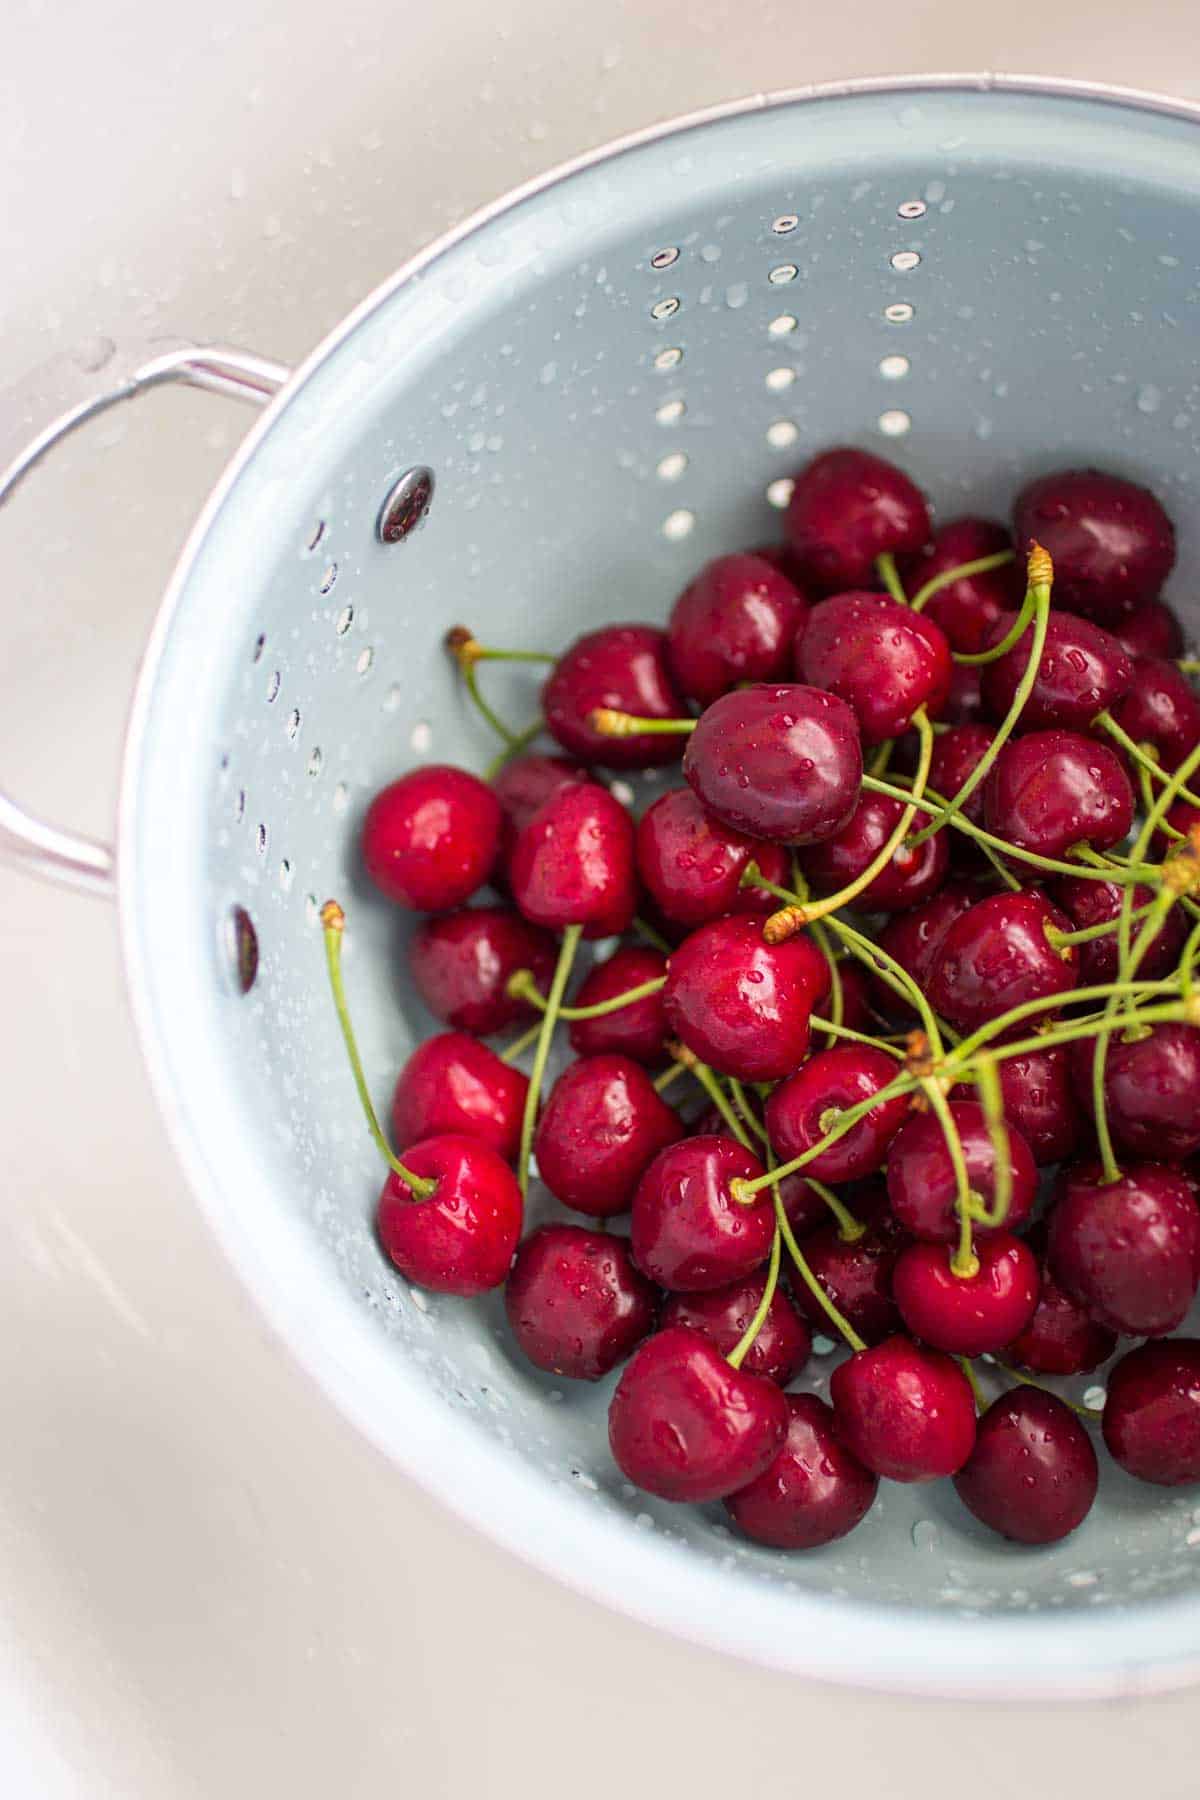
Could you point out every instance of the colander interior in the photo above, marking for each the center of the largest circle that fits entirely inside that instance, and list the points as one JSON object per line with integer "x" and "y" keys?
{"x": 612, "y": 381}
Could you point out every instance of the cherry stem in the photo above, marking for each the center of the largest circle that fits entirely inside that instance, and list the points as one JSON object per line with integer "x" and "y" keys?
{"x": 903, "y": 1084}
{"x": 992, "y": 1100}
{"x": 850, "y": 1229}
{"x": 1142, "y": 754}
{"x": 1091, "y": 1413}
{"x": 968, "y": 1369}
{"x": 745, "y": 1110}
{"x": 1031, "y": 1009}
{"x": 333, "y": 923}
{"x": 514, "y": 747}
{"x": 513, "y": 1050}
{"x": 885, "y": 568}
{"x": 1191, "y": 950}
{"x": 841, "y": 1324}
{"x": 655, "y": 939}
{"x": 558, "y": 986}
{"x": 1088, "y": 933}
{"x": 1179, "y": 1012}
{"x": 964, "y": 1262}
{"x": 609, "y": 722}
{"x": 663, "y": 1081}
{"x": 522, "y": 986}
{"x": 1012, "y": 636}
{"x": 896, "y": 976}
{"x": 855, "y": 1037}
{"x": 1188, "y": 665}
{"x": 837, "y": 1002}
{"x": 980, "y": 565}
{"x": 745, "y": 1343}
{"x": 716, "y": 1094}
{"x": 497, "y": 724}
{"x": 878, "y": 764}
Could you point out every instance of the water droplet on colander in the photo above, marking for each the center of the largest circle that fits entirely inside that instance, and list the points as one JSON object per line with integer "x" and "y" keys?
{"x": 737, "y": 295}
{"x": 1148, "y": 398}
{"x": 925, "y": 1535}
{"x": 1095, "y": 1397}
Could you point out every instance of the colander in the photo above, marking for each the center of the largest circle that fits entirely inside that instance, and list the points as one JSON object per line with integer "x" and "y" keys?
{"x": 580, "y": 396}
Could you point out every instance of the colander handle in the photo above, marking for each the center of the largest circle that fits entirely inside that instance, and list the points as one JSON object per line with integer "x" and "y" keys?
{"x": 33, "y": 844}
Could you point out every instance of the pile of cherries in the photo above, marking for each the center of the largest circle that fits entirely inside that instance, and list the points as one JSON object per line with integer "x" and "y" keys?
{"x": 919, "y": 929}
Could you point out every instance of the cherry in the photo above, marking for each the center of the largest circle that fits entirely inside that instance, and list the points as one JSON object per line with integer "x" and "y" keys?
{"x": 741, "y": 1004}
{"x": 848, "y": 508}
{"x": 452, "y": 1084}
{"x": 603, "y": 1123}
{"x": 801, "y": 1109}
{"x": 692, "y": 864}
{"x": 804, "y": 1206}
{"x": 856, "y": 995}
{"x": 1128, "y": 1249}
{"x": 685, "y": 1425}
{"x": 1032, "y": 1475}
{"x": 432, "y": 838}
{"x": 920, "y": 1176}
{"x": 856, "y": 1274}
{"x": 1083, "y": 670}
{"x": 1161, "y": 708}
{"x": 965, "y": 608}
{"x": 904, "y": 1411}
{"x": 1151, "y": 1089}
{"x": 814, "y": 1491}
{"x": 736, "y": 621}
{"x": 1087, "y": 903}
{"x": 620, "y": 666}
{"x": 964, "y": 702}
{"x": 1050, "y": 790}
{"x": 689, "y": 1234}
{"x": 1061, "y": 1338}
{"x": 996, "y": 956}
{"x": 1153, "y": 630}
{"x": 783, "y": 1344}
{"x": 1152, "y": 1413}
{"x": 575, "y": 1301}
{"x": 523, "y": 785}
{"x": 573, "y": 863}
{"x": 459, "y": 1240}
{"x": 967, "y": 1314}
{"x": 1184, "y": 818}
{"x": 914, "y": 938}
{"x": 778, "y": 762}
{"x": 1039, "y": 1100}
{"x": 913, "y": 874}
{"x": 882, "y": 658}
{"x": 1112, "y": 544}
{"x": 955, "y": 755}
{"x": 460, "y": 964}
{"x": 639, "y": 1029}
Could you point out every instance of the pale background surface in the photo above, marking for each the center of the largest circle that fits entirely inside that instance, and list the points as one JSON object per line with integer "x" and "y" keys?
{"x": 208, "y": 1585}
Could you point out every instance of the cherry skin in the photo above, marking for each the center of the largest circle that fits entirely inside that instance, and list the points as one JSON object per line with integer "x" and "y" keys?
{"x": 996, "y": 956}
{"x": 452, "y": 1084}
{"x": 1050, "y": 790}
{"x": 904, "y": 1411}
{"x": 1082, "y": 671}
{"x": 523, "y": 785}
{"x": 847, "y": 508}
{"x": 968, "y": 1314}
{"x": 1129, "y": 1250}
{"x": 1151, "y": 1419}
{"x": 955, "y": 754}
{"x": 461, "y": 962}
{"x": 856, "y": 1275}
{"x": 432, "y": 838}
{"x": 880, "y": 657}
{"x": 1032, "y": 1475}
{"x": 920, "y": 1176}
{"x": 1039, "y": 1100}
{"x": 964, "y": 702}
{"x": 576, "y": 1303}
{"x": 856, "y": 994}
{"x": 1061, "y": 1338}
{"x": 798, "y": 1111}
{"x": 1087, "y": 903}
{"x": 461, "y": 1239}
{"x": 685, "y": 1426}
{"x": 1161, "y": 708}
{"x": 638, "y": 1030}
{"x": 1151, "y": 1090}
{"x": 621, "y": 666}
{"x": 736, "y": 621}
{"x": 912, "y": 875}
{"x": 573, "y": 863}
{"x": 1153, "y": 630}
{"x": 914, "y": 938}
{"x": 741, "y": 1004}
{"x": 688, "y": 1232}
{"x": 804, "y": 1206}
{"x": 783, "y": 1344}
{"x": 966, "y": 607}
{"x": 1112, "y": 544}
{"x": 692, "y": 864}
{"x": 780, "y": 762}
{"x": 815, "y": 1490}
{"x": 602, "y": 1125}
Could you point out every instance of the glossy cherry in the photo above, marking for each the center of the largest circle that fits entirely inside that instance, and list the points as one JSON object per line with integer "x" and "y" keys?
{"x": 454, "y": 1084}
{"x": 684, "y": 1425}
{"x": 461, "y": 962}
{"x": 965, "y": 608}
{"x": 526, "y": 783}
{"x": 621, "y": 666}
{"x": 603, "y": 1123}
{"x": 1032, "y": 1475}
{"x": 639, "y": 1029}
{"x": 1039, "y": 1100}
{"x": 1162, "y": 708}
{"x": 1083, "y": 670}
{"x": 912, "y": 875}
{"x": 1151, "y": 1090}
{"x": 692, "y": 864}
{"x": 955, "y": 755}
{"x": 741, "y": 1004}
{"x": 804, "y": 1206}
{"x": 432, "y": 838}
{"x": 967, "y": 1314}
{"x": 576, "y": 1303}
{"x": 783, "y": 1344}
{"x": 736, "y": 621}
{"x": 1152, "y": 1413}
{"x": 914, "y": 938}
{"x": 996, "y": 956}
{"x": 1151, "y": 630}
{"x": 461, "y": 1239}
{"x": 802, "y": 1108}
{"x": 1050, "y": 790}
{"x": 1087, "y": 903}
{"x": 880, "y": 657}
{"x": 1061, "y": 1338}
{"x": 920, "y": 1176}
{"x": 813, "y": 1492}
{"x": 856, "y": 1275}
{"x": 856, "y": 994}
{"x": 573, "y": 863}
{"x": 1128, "y": 1249}
{"x": 688, "y": 1233}
{"x": 847, "y": 508}
{"x": 904, "y": 1411}
{"x": 782, "y": 762}
{"x": 1112, "y": 544}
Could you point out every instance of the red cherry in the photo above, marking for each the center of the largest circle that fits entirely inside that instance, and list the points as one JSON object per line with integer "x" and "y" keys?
{"x": 523, "y": 785}
{"x": 967, "y": 1314}
{"x": 1083, "y": 670}
{"x": 857, "y": 1276}
{"x": 432, "y": 838}
{"x": 996, "y": 956}
{"x": 912, "y": 875}
{"x": 692, "y": 863}
{"x": 856, "y": 995}
{"x": 461, "y": 1239}
{"x": 814, "y": 1491}
{"x": 1152, "y": 1412}
{"x": 802, "y": 1108}
{"x": 639, "y": 1029}
{"x": 964, "y": 702}
{"x": 1061, "y": 1338}
{"x": 621, "y": 666}
{"x": 847, "y": 508}
{"x": 452, "y": 1084}
{"x": 782, "y": 763}
{"x": 601, "y": 1126}
{"x": 736, "y": 621}
{"x": 804, "y": 1206}
{"x": 914, "y": 938}
{"x": 1153, "y": 630}
{"x": 575, "y": 1301}
{"x": 689, "y": 1234}
{"x": 920, "y": 1175}
{"x": 1128, "y": 1249}
{"x": 1039, "y": 1100}
{"x": 1032, "y": 1475}
{"x": 904, "y": 1411}
{"x": 880, "y": 657}
{"x": 1088, "y": 903}
{"x": 1183, "y": 818}
{"x": 966, "y": 607}
{"x": 783, "y": 1344}
{"x": 460, "y": 964}
{"x": 1050, "y": 790}
{"x": 685, "y": 1426}
{"x": 573, "y": 863}
{"x": 955, "y": 755}
{"x": 1161, "y": 708}
{"x": 1112, "y": 544}
{"x": 741, "y": 1004}
{"x": 1151, "y": 1090}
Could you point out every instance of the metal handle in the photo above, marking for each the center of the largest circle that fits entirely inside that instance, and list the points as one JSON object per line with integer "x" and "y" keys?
{"x": 26, "y": 842}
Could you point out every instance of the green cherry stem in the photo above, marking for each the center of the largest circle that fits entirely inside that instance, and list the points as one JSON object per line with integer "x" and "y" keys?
{"x": 1088, "y": 933}
{"x": 850, "y": 1229}
{"x": 840, "y": 1324}
{"x": 511, "y": 1051}
{"x": 885, "y": 568}
{"x": 712, "y": 1087}
{"x": 558, "y": 988}
{"x": 745, "y": 1111}
{"x": 962, "y": 1053}
{"x": 663, "y": 1082}
{"x": 1179, "y": 1012}
{"x": 609, "y": 722}
{"x": 1091, "y": 1413}
{"x": 520, "y": 742}
{"x": 1142, "y": 755}
{"x": 980, "y": 565}
{"x": 1012, "y": 636}
{"x": 903, "y": 1084}
{"x": 1188, "y": 665}
{"x": 977, "y": 1393}
{"x": 991, "y": 1098}
{"x": 836, "y": 997}
{"x": 878, "y": 764}
{"x": 522, "y": 986}
{"x": 655, "y": 939}
{"x": 1187, "y": 961}
{"x": 855, "y": 1037}
{"x": 897, "y": 978}
{"x": 964, "y": 1262}
{"x": 745, "y": 1343}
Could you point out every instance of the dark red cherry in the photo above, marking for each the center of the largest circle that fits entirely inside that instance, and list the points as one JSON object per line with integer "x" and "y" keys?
{"x": 964, "y": 702}
{"x": 1050, "y": 790}
{"x": 603, "y": 1123}
{"x": 996, "y": 956}
{"x": 1112, "y": 544}
{"x": 1151, "y": 630}
{"x": 689, "y": 1233}
{"x": 966, "y": 607}
{"x": 856, "y": 994}
{"x": 622, "y": 666}
{"x": 1185, "y": 819}
{"x": 904, "y": 1411}
{"x": 920, "y": 1176}
{"x": 955, "y": 755}
{"x": 1061, "y": 1338}
{"x": 912, "y": 875}
{"x": 736, "y": 621}
{"x": 461, "y": 1239}
{"x": 914, "y": 938}
{"x": 847, "y": 508}
{"x": 1083, "y": 670}
{"x": 967, "y": 1314}
{"x": 639, "y": 1029}
{"x": 1162, "y": 708}
{"x": 685, "y": 1426}
{"x": 452, "y": 1084}
{"x": 1039, "y": 1100}
{"x": 804, "y": 1206}
{"x": 460, "y": 964}
{"x": 778, "y": 762}
{"x": 523, "y": 785}
{"x": 1151, "y": 1090}
{"x": 1032, "y": 1475}
{"x": 857, "y": 1276}
{"x": 1087, "y": 903}
{"x": 783, "y": 1344}
{"x": 1128, "y": 1249}
{"x": 741, "y": 1004}
{"x": 432, "y": 838}
{"x": 573, "y": 864}
{"x": 880, "y": 657}
{"x": 814, "y": 1491}
{"x": 802, "y": 1109}
{"x": 1152, "y": 1413}
{"x": 575, "y": 1301}
{"x": 692, "y": 864}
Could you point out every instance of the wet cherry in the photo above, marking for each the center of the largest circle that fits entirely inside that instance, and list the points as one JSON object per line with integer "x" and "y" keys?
{"x": 1162, "y": 709}
{"x": 460, "y": 1240}
{"x": 431, "y": 839}
{"x": 783, "y": 1344}
{"x": 573, "y": 863}
{"x": 914, "y": 938}
{"x": 523, "y": 785}
{"x": 576, "y": 1303}
{"x": 1039, "y": 1100}
{"x": 460, "y": 963}
{"x": 1061, "y": 1338}
{"x": 847, "y": 508}
{"x": 639, "y": 1029}
{"x": 1112, "y": 544}
{"x": 904, "y": 1411}
{"x": 856, "y": 1275}
{"x": 692, "y": 864}
{"x": 965, "y": 608}
{"x": 802, "y": 1109}
{"x": 1152, "y": 1413}
{"x": 602, "y": 1125}
{"x": 1050, "y": 790}
{"x": 880, "y": 657}
{"x": 964, "y": 702}
{"x": 781, "y": 762}
{"x": 1151, "y": 1089}
{"x": 741, "y": 1004}
{"x": 736, "y": 621}
{"x": 1151, "y": 630}
{"x": 996, "y": 956}
{"x": 912, "y": 875}
{"x": 1087, "y": 903}
{"x": 689, "y": 1234}
{"x": 967, "y": 1314}
{"x": 621, "y": 666}
{"x": 1128, "y": 1249}
{"x": 1083, "y": 670}
{"x": 920, "y": 1175}
{"x": 452, "y": 1084}
{"x": 1032, "y": 1475}
{"x": 955, "y": 755}
{"x": 813, "y": 1492}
